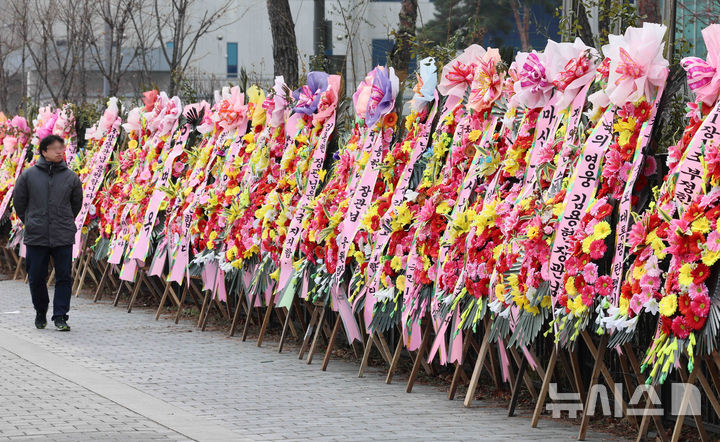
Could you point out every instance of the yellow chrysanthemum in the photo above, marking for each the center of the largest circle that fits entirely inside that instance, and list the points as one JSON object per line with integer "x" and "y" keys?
{"x": 396, "y": 263}
{"x": 701, "y": 225}
{"x": 400, "y": 283}
{"x": 601, "y": 230}
{"x": 570, "y": 286}
{"x": 685, "y": 277}
{"x": 668, "y": 305}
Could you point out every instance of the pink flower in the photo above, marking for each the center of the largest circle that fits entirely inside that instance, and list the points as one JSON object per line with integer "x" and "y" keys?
{"x": 597, "y": 249}
{"x": 701, "y": 305}
{"x": 650, "y": 166}
{"x": 636, "y": 303}
{"x": 590, "y": 273}
{"x": 713, "y": 241}
{"x": 604, "y": 285}
{"x": 680, "y": 328}
{"x": 637, "y": 235}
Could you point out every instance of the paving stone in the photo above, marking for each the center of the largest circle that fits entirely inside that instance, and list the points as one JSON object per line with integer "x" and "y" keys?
{"x": 255, "y": 392}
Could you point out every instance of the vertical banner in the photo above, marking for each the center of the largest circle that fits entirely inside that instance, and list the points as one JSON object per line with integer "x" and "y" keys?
{"x": 93, "y": 184}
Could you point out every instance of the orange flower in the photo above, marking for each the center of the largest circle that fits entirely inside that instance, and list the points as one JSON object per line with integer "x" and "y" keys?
{"x": 390, "y": 120}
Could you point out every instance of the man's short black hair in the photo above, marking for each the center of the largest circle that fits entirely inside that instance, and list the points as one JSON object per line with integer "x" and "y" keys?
{"x": 45, "y": 142}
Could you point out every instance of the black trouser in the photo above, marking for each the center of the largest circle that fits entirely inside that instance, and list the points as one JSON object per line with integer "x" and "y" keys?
{"x": 36, "y": 263}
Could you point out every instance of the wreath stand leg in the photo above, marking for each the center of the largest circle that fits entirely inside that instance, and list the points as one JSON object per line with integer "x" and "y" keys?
{"x": 309, "y": 331}
{"x": 598, "y": 354}
{"x": 101, "y": 284}
{"x": 395, "y": 359}
{"x": 18, "y": 265}
{"x": 246, "y": 327}
{"x": 239, "y": 305}
{"x": 366, "y": 355}
{"x": 318, "y": 332}
{"x": 516, "y": 387}
{"x": 479, "y": 363}
{"x": 459, "y": 370}
{"x": 282, "y": 314}
{"x": 713, "y": 371}
{"x": 6, "y": 259}
{"x": 206, "y": 305}
{"x": 163, "y": 299}
{"x": 288, "y": 323}
{"x": 150, "y": 283}
{"x": 136, "y": 290}
{"x": 119, "y": 290}
{"x": 331, "y": 343}
{"x": 640, "y": 378}
{"x": 181, "y": 302}
{"x": 79, "y": 282}
{"x": 684, "y": 404}
{"x": 266, "y": 320}
{"x": 378, "y": 340}
{"x": 420, "y": 356}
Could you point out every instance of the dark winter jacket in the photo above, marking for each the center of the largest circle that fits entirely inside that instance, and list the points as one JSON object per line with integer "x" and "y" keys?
{"x": 47, "y": 198}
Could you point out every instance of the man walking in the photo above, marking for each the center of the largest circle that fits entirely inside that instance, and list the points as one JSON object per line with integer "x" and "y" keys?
{"x": 47, "y": 198}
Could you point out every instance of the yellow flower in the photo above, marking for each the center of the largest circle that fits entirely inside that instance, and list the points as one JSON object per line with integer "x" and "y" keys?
{"x": 474, "y": 135}
{"x": 623, "y": 304}
{"x": 576, "y": 305}
{"x": 668, "y": 305}
{"x": 533, "y": 232}
{"x": 638, "y": 272}
{"x": 685, "y": 277}
{"x": 396, "y": 263}
{"x": 400, "y": 283}
{"x": 546, "y": 302}
{"x": 601, "y": 230}
{"x": 570, "y": 286}
{"x": 132, "y": 144}
{"x": 709, "y": 258}
{"x": 213, "y": 235}
{"x": 276, "y": 274}
{"x": 500, "y": 293}
{"x": 701, "y": 225}
{"x": 443, "y": 208}
{"x": 404, "y": 216}
{"x": 359, "y": 257}
{"x": 321, "y": 174}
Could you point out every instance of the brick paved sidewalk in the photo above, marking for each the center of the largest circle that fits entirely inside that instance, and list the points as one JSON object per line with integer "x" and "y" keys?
{"x": 125, "y": 376}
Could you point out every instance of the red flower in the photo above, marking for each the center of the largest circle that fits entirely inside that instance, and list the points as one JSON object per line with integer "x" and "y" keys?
{"x": 604, "y": 285}
{"x": 684, "y": 303}
{"x": 701, "y": 305}
{"x": 680, "y": 327}
{"x": 700, "y": 273}
{"x": 597, "y": 249}
{"x": 665, "y": 325}
{"x": 694, "y": 322}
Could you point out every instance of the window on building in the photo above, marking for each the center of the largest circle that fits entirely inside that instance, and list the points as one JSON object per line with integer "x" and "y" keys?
{"x": 381, "y": 48}
{"x": 232, "y": 59}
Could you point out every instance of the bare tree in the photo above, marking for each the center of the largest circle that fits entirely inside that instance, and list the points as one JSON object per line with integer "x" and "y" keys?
{"x": 179, "y": 31}
{"x": 285, "y": 53}
{"x": 53, "y": 32}
{"x": 10, "y": 62}
{"x": 110, "y": 52}
{"x": 403, "y": 40}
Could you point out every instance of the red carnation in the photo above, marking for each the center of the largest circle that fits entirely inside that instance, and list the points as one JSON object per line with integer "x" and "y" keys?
{"x": 680, "y": 327}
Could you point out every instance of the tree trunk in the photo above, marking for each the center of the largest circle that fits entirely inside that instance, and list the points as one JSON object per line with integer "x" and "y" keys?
{"x": 285, "y": 53}
{"x": 522, "y": 23}
{"x": 403, "y": 41}
{"x": 649, "y": 11}
{"x": 585, "y": 32}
